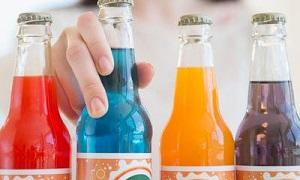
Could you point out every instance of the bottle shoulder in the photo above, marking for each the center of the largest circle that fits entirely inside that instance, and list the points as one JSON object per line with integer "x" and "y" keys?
{"x": 275, "y": 124}
{"x": 201, "y": 122}
{"x": 121, "y": 115}
{"x": 34, "y": 131}
{"x": 203, "y": 130}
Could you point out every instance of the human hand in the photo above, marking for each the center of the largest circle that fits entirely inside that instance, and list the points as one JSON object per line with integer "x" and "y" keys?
{"x": 78, "y": 57}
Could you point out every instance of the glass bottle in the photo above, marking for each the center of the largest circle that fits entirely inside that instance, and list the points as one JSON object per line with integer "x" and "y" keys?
{"x": 34, "y": 142}
{"x": 120, "y": 141}
{"x": 268, "y": 139}
{"x": 196, "y": 143}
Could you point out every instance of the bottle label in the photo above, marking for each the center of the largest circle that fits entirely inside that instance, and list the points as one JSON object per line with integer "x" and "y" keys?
{"x": 113, "y": 166}
{"x": 268, "y": 172}
{"x": 198, "y": 172}
{"x": 35, "y": 174}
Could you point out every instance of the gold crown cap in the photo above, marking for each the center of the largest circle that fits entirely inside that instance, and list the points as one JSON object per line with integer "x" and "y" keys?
{"x": 194, "y": 19}
{"x": 34, "y": 18}
{"x": 269, "y": 18}
{"x": 114, "y": 2}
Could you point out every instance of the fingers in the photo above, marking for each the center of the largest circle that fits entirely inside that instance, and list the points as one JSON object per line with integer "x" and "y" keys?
{"x": 77, "y": 57}
{"x": 64, "y": 104}
{"x": 145, "y": 74}
{"x": 94, "y": 37}
{"x": 70, "y": 99}
{"x": 84, "y": 70}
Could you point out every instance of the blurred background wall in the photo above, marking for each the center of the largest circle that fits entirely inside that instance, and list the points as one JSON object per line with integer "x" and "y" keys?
{"x": 156, "y": 41}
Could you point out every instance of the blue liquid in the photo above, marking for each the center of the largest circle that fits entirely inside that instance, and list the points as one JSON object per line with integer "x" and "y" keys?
{"x": 126, "y": 127}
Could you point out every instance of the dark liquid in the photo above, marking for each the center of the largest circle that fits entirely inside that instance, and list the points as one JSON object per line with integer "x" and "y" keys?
{"x": 126, "y": 127}
{"x": 270, "y": 132}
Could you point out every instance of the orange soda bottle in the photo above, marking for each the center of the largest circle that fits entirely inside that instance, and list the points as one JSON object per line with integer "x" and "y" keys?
{"x": 196, "y": 144}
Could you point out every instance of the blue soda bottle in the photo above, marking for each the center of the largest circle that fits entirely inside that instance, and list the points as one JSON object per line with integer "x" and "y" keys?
{"x": 117, "y": 145}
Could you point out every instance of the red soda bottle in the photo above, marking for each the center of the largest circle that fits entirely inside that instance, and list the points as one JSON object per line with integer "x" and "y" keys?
{"x": 34, "y": 142}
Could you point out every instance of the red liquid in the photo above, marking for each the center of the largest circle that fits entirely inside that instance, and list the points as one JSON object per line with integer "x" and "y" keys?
{"x": 34, "y": 136}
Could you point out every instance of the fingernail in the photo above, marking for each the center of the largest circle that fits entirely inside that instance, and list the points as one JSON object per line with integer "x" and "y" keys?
{"x": 98, "y": 109}
{"x": 105, "y": 65}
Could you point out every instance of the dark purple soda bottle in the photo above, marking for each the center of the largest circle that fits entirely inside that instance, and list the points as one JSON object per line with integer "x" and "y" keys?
{"x": 268, "y": 139}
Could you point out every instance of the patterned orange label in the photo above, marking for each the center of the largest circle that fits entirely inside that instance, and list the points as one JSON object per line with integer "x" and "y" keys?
{"x": 268, "y": 172}
{"x": 35, "y": 174}
{"x": 104, "y": 166}
{"x": 197, "y": 172}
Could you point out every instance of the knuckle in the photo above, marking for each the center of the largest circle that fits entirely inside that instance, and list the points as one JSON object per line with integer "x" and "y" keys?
{"x": 68, "y": 30}
{"x": 85, "y": 18}
{"x": 74, "y": 52}
{"x": 76, "y": 105}
{"x": 91, "y": 88}
{"x": 95, "y": 46}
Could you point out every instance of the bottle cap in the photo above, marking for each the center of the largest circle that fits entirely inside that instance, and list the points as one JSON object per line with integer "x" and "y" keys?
{"x": 115, "y": 3}
{"x": 194, "y": 19}
{"x": 34, "y": 18}
{"x": 268, "y": 18}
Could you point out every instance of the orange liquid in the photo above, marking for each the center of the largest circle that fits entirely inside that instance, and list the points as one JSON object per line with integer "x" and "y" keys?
{"x": 196, "y": 134}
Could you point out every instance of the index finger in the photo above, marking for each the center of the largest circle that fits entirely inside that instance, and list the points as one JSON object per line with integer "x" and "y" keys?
{"x": 92, "y": 33}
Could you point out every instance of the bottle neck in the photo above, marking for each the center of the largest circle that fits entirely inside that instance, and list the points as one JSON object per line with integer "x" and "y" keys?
{"x": 195, "y": 47}
{"x": 269, "y": 56}
{"x": 270, "y": 84}
{"x": 33, "y": 55}
{"x": 33, "y": 86}
{"x": 196, "y": 92}
{"x": 195, "y": 85}
{"x": 116, "y": 22}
